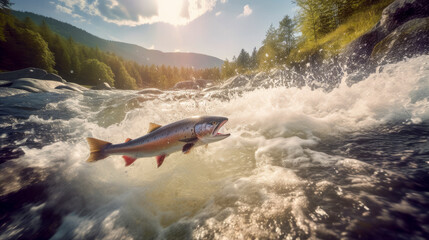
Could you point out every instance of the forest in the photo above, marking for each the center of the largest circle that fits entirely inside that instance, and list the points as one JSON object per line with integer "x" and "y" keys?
{"x": 320, "y": 30}
{"x": 26, "y": 44}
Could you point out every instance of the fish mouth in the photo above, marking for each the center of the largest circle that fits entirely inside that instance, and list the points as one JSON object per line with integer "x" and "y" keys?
{"x": 216, "y": 133}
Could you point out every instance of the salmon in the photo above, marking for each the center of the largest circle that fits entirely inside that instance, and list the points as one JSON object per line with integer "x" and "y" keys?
{"x": 160, "y": 141}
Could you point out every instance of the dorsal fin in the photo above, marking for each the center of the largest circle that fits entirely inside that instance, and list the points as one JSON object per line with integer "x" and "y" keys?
{"x": 153, "y": 127}
{"x": 128, "y": 139}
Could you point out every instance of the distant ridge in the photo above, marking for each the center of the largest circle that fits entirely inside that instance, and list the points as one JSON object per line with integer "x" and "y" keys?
{"x": 128, "y": 51}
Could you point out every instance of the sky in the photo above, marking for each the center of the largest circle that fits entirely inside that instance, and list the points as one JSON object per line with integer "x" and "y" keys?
{"x": 219, "y": 28}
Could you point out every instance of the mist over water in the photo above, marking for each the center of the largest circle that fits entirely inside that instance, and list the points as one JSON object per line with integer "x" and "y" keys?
{"x": 300, "y": 163}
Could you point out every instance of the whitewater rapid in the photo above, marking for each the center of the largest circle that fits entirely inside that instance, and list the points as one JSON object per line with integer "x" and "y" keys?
{"x": 300, "y": 163}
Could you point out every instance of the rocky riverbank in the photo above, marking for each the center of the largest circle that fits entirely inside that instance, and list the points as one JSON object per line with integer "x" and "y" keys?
{"x": 402, "y": 32}
{"x": 34, "y": 80}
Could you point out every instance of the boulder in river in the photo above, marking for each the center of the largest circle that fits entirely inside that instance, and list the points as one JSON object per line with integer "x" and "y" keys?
{"x": 150, "y": 91}
{"x": 102, "y": 86}
{"x": 186, "y": 85}
{"x": 31, "y": 72}
{"x": 236, "y": 81}
{"x": 193, "y": 84}
{"x": 35, "y": 85}
{"x": 33, "y": 80}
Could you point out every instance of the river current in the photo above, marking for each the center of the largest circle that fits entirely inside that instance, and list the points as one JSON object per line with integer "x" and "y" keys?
{"x": 301, "y": 163}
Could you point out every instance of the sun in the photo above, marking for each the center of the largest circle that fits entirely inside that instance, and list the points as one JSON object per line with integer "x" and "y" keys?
{"x": 169, "y": 11}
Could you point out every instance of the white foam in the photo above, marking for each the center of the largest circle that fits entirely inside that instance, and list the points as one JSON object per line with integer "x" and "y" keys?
{"x": 239, "y": 183}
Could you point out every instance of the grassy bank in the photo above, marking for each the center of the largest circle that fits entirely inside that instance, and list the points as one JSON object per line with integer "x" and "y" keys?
{"x": 334, "y": 42}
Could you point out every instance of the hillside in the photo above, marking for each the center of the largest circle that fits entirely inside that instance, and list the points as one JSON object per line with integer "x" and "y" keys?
{"x": 128, "y": 51}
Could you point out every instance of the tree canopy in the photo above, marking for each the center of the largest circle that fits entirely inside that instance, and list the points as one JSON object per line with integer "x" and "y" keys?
{"x": 25, "y": 44}
{"x": 94, "y": 72}
{"x": 315, "y": 19}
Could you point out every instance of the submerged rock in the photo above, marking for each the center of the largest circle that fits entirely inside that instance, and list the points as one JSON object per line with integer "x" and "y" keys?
{"x": 31, "y": 72}
{"x": 77, "y": 86}
{"x": 186, "y": 85}
{"x": 68, "y": 87}
{"x": 34, "y": 80}
{"x": 4, "y": 83}
{"x": 193, "y": 84}
{"x": 150, "y": 91}
{"x": 202, "y": 83}
{"x": 236, "y": 81}
{"x": 35, "y": 85}
{"x": 7, "y": 91}
{"x": 54, "y": 77}
{"x": 102, "y": 86}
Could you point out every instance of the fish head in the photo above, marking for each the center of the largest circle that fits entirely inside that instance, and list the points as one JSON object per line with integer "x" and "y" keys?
{"x": 207, "y": 129}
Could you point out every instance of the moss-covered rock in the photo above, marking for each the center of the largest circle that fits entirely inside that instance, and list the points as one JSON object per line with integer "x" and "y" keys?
{"x": 408, "y": 40}
{"x": 361, "y": 53}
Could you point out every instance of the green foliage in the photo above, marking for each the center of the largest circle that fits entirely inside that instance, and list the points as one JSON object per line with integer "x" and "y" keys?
{"x": 4, "y": 4}
{"x": 123, "y": 78}
{"x": 317, "y": 18}
{"x": 228, "y": 69}
{"x": 277, "y": 45}
{"x": 321, "y": 29}
{"x": 94, "y": 72}
{"x": 24, "y": 48}
{"x": 243, "y": 60}
{"x": 330, "y": 44}
{"x": 24, "y": 44}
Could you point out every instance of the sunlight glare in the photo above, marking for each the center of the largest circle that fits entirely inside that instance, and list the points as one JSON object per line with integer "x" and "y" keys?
{"x": 169, "y": 11}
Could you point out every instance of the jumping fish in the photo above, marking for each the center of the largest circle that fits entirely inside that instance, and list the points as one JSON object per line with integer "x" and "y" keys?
{"x": 160, "y": 141}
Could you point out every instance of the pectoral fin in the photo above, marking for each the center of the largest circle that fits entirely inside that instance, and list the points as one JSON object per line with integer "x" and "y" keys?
{"x": 187, "y": 147}
{"x": 160, "y": 160}
{"x": 128, "y": 160}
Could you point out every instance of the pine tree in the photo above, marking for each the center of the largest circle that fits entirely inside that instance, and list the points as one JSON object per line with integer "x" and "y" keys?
{"x": 254, "y": 59}
{"x": 243, "y": 60}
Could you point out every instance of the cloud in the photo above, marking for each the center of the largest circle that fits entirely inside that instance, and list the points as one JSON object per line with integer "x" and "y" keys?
{"x": 218, "y": 13}
{"x": 246, "y": 11}
{"x": 67, "y": 10}
{"x": 133, "y": 13}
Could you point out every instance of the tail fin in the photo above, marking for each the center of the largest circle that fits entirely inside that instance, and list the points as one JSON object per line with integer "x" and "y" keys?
{"x": 96, "y": 148}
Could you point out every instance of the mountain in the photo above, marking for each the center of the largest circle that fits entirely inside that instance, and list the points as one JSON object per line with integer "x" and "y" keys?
{"x": 128, "y": 51}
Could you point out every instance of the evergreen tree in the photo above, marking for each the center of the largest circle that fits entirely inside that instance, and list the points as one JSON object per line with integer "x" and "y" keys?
{"x": 4, "y": 4}
{"x": 286, "y": 37}
{"x": 254, "y": 59}
{"x": 29, "y": 24}
{"x": 243, "y": 60}
{"x": 123, "y": 80}
{"x": 309, "y": 18}
{"x": 268, "y": 53}
{"x": 228, "y": 69}
{"x": 58, "y": 47}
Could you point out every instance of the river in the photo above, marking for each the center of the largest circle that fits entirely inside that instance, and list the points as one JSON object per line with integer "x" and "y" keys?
{"x": 351, "y": 163}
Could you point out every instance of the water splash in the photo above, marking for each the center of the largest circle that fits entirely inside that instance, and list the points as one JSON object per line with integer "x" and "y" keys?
{"x": 301, "y": 163}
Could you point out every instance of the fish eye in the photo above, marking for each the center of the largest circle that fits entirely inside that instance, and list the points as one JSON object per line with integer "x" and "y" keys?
{"x": 213, "y": 123}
